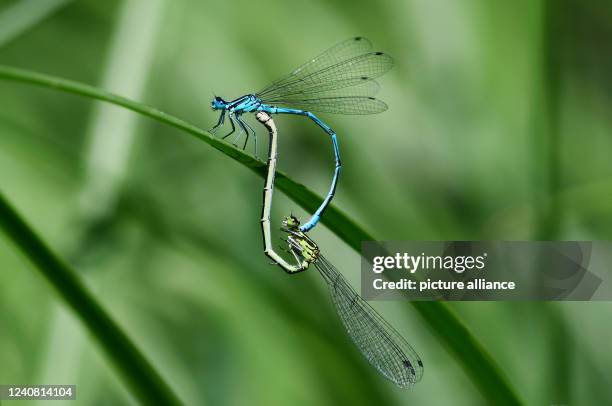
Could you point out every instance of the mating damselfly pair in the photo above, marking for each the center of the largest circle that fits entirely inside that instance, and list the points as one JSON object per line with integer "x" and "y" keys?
{"x": 339, "y": 80}
{"x": 377, "y": 340}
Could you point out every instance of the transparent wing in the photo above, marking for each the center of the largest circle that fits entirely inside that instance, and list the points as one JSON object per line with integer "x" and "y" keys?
{"x": 354, "y": 100}
{"x": 337, "y": 105}
{"x": 339, "y": 52}
{"x": 377, "y": 340}
{"x": 347, "y": 73}
{"x": 365, "y": 88}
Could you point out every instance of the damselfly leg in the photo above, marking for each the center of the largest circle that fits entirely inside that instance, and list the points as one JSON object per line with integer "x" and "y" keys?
{"x": 236, "y": 120}
{"x": 231, "y": 120}
{"x": 248, "y": 130}
{"x": 254, "y": 133}
{"x": 237, "y": 136}
{"x": 219, "y": 123}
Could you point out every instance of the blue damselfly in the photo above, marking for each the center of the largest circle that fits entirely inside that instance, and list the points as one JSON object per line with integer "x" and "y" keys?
{"x": 340, "y": 80}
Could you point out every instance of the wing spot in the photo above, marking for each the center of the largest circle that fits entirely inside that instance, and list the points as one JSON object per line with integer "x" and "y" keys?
{"x": 378, "y": 53}
{"x": 409, "y": 367}
{"x": 364, "y": 78}
{"x": 358, "y": 38}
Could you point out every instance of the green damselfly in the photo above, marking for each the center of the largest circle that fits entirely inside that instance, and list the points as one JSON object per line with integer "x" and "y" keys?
{"x": 377, "y": 340}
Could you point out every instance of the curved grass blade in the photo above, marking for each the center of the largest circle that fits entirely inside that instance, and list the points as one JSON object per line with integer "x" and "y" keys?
{"x": 476, "y": 362}
{"x": 22, "y": 16}
{"x": 146, "y": 384}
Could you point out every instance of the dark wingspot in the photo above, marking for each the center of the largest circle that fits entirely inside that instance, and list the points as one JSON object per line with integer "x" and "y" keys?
{"x": 372, "y": 98}
{"x": 358, "y": 38}
{"x": 364, "y": 78}
{"x": 420, "y": 363}
{"x": 379, "y": 53}
{"x": 409, "y": 367}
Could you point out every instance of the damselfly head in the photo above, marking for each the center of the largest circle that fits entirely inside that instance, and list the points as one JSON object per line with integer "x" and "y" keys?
{"x": 218, "y": 103}
{"x": 291, "y": 222}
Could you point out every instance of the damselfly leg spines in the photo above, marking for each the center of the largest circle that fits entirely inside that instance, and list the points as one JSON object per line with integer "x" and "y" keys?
{"x": 340, "y": 81}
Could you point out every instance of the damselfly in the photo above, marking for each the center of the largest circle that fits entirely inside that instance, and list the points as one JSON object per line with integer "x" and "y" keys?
{"x": 340, "y": 80}
{"x": 377, "y": 340}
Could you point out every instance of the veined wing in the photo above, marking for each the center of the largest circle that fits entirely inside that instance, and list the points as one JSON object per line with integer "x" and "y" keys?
{"x": 339, "y": 52}
{"x": 350, "y": 72}
{"x": 377, "y": 340}
{"x": 366, "y": 88}
{"x": 336, "y": 105}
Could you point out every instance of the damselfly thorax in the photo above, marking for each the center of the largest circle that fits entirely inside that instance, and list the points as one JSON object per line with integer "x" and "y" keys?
{"x": 302, "y": 247}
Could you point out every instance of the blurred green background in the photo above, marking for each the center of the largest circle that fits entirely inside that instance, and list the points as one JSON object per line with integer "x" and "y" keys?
{"x": 498, "y": 128}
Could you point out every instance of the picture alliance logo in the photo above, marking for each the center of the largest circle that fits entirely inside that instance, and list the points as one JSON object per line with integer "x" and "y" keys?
{"x": 414, "y": 263}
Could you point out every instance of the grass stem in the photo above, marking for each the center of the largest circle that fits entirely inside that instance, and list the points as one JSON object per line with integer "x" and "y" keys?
{"x": 452, "y": 332}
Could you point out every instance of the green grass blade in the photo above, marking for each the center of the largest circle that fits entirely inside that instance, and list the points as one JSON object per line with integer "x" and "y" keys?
{"x": 146, "y": 384}
{"x": 20, "y": 17}
{"x": 473, "y": 358}
{"x": 344, "y": 227}
{"x": 451, "y": 331}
